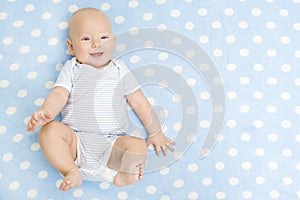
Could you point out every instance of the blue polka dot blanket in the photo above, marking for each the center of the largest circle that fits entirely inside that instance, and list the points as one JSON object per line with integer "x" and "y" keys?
{"x": 223, "y": 77}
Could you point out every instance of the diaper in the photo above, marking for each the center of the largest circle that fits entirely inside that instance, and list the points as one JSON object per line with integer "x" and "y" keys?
{"x": 93, "y": 153}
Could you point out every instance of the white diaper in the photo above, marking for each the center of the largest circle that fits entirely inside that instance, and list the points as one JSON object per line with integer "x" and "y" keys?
{"x": 93, "y": 153}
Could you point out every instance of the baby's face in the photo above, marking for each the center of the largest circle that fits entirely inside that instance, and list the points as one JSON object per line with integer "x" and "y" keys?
{"x": 91, "y": 39}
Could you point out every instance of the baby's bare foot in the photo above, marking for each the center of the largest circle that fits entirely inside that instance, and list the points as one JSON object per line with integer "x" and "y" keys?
{"x": 72, "y": 180}
{"x": 124, "y": 178}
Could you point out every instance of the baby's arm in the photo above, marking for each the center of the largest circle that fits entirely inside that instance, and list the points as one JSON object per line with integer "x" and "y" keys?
{"x": 147, "y": 115}
{"x": 51, "y": 107}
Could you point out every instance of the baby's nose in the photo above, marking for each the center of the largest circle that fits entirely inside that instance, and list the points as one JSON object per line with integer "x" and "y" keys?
{"x": 96, "y": 43}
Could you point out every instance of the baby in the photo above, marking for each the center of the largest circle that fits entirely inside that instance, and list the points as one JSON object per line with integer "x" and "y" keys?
{"x": 91, "y": 92}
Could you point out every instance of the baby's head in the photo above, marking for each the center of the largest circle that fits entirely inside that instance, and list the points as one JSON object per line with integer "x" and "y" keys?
{"x": 91, "y": 39}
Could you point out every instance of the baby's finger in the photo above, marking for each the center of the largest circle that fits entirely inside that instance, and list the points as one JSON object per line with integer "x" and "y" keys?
{"x": 164, "y": 150}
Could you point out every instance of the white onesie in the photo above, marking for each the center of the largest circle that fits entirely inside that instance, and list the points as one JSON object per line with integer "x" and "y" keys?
{"x": 96, "y": 111}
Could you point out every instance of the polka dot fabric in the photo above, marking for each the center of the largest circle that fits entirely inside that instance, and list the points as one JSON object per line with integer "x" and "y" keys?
{"x": 255, "y": 46}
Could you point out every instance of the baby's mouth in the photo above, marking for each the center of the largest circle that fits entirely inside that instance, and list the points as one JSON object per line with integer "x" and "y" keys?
{"x": 97, "y": 54}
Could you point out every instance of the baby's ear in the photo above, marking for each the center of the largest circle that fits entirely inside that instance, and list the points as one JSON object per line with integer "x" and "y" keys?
{"x": 70, "y": 47}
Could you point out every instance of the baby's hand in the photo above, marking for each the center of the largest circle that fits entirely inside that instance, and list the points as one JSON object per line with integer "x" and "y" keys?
{"x": 38, "y": 118}
{"x": 160, "y": 143}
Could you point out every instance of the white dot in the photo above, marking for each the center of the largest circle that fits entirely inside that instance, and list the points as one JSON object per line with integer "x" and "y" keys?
{"x": 191, "y": 82}
{"x": 272, "y": 137}
{"x": 119, "y": 19}
{"x": 244, "y": 80}
{"x": 43, "y": 174}
{"x": 259, "y": 151}
{"x": 247, "y": 194}
{"x": 32, "y": 75}
{"x": 25, "y": 49}
{"x": 273, "y": 165}
{"x": 105, "y": 6}
{"x": 231, "y": 123}
{"x": 271, "y": 25}
{"x": 14, "y": 185}
{"x": 297, "y": 54}
{"x": 233, "y": 181}
{"x": 78, "y": 193}
{"x": 178, "y": 183}
{"x": 219, "y": 166}
{"x": 296, "y": 26}
{"x": 232, "y": 152}
{"x": 204, "y": 95}
{"x": 53, "y": 41}
{"x": 286, "y": 68}
{"x": 287, "y": 152}
{"x": 175, "y": 13}
{"x": 11, "y": 110}
{"x": 285, "y": 40}
{"x": 42, "y": 58}
{"x": 245, "y": 108}
{"x": 204, "y": 124}
{"x": 245, "y": 137}
{"x": 283, "y": 12}
{"x": 151, "y": 189}
{"x": 7, "y": 157}
{"x": 297, "y": 109}
{"x": 218, "y": 52}
{"x": 204, "y": 67}
{"x": 285, "y": 96}
{"x": 190, "y": 110}
{"x": 36, "y": 32}
{"x": 287, "y": 180}
{"x": 244, "y": 52}
{"x": 286, "y": 124}
{"x": 122, "y": 195}
{"x": 258, "y": 67}
{"x": 177, "y": 68}
{"x": 176, "y": 98}
{"x": 73, "y": 8}
{"x": 230, "y": 39}
{"x": 258, "y": 123}
{"x": 202, "y": 11}
{"x": 256, "y": 12}
{"x": 190, "y": 53}
{"x": 164, "y": 171}
{"x": 14, "y": 66}
{"x": 147, "y": 16}
{"x": 2, "y": 130}
{"x": 258, "y": 95}
{"x": 133, "y": 4}
{"x": 229, "y": 11}
{"x": 35, "y": 147}
{"x": 232, "y": 95}
{"x": 271, "y": 109}
{"x": 165, "y": 197}
{"x": 161, "y": 2}
{"x": 29, "y": 7}
{"x": 189, "y": 25}
{"x": 32, "y": 193}
{"x": 18, "y": 137}
{"x": 163, "y": 56}
{"x": 46, "y": 15}
{"x": 7, "y": 41}
{"x": 193, "y": 196}
{"x": 274, "y": 194}
{"x": 49, "y": 84}
{"x": 63, "y": 25}
{"x": 216, "y": 24}
{"x": 206, "y": 181}
{"x": 56, "y": 1}
{"x": 272, "y": 81}
{"x": 246, "y": 165}
{"x": 104, "y": 185}
{"x": 4, "y": 83}
{"x": 257, "y": 39}
{"x": 177, "y": 126}
{"x": 3, "y": 15}
{"x": 192, "y": 167}
{"x": 220, "y": 195}
{"x": 204, "y": 39}
{"x": 243, "y": 24}
{"x": 25, "y": 165}
{"x": 271, "y": 53}
{"x": 260, "y": 180}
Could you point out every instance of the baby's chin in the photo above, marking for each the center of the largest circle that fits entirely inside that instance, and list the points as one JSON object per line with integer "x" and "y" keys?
{"x": 97, "y": 64}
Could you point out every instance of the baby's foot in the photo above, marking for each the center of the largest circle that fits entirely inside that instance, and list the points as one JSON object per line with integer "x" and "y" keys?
{"x": 72, "y": 180}
{"x": 135, "y": 174}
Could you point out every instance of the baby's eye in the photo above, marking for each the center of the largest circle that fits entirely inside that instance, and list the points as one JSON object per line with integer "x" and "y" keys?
{"x": 104, "y": 37}
{"x": 86, "y": 39}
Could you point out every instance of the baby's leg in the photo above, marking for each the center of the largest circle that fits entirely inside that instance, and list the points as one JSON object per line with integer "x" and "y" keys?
{"x": 59, "y": 145}
{"x": 128, "y": 157}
